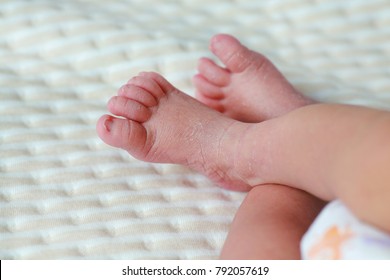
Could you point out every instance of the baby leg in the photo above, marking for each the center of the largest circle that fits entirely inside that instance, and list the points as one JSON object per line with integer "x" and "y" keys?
{"x": 270, "y": 223}
{"x": 332, "y": 151}
{"x": 250, "y": 88}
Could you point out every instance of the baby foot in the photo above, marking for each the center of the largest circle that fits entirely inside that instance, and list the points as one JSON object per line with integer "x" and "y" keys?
{"x": 159, "y": 123}
{"x": 249, "y": 89}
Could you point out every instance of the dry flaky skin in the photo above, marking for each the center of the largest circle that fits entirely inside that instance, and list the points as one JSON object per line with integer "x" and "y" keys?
{"x": 65, "y": 194}
{"x": 347, "y": 140}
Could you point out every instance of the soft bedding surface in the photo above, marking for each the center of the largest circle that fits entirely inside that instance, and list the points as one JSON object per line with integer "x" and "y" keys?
{"x": 64, "y": 194}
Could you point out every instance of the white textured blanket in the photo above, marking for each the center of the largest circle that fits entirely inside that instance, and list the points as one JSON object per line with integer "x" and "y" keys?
{"x": 65, "y": 194}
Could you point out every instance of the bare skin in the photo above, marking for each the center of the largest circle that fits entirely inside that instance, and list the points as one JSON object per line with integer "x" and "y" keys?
{"x": 263, "y": 228}
{"x": 358, "y": 127}
{"x": 266, "y": 220}
{"x": 149, "y": 129}
{"x": 249, "y": 88}
{"x": 323, "y": 149}
{"x": 270, "y": 224}
{"x": 136, "y": 131}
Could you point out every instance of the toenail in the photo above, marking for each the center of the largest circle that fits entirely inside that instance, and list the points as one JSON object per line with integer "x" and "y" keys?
{"x": 108, "y": 124}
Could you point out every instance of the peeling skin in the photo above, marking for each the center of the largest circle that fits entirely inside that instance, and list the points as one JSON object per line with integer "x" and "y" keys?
{"x": 212, "y": 135}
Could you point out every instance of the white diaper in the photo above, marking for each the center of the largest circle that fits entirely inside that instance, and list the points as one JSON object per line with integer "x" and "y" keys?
{"x": 337, "y": 234}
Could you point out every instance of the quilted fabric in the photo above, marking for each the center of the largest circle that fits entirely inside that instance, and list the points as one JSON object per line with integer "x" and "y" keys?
{"x": 64, "y": 194}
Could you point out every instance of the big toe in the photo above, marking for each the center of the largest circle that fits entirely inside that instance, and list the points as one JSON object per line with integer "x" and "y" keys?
{"x": 122, "y": 133}
{"x": 232, "y": 53}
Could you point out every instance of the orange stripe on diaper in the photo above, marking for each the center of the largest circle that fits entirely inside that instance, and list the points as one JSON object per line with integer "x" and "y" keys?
{"x": 330, "y": 244}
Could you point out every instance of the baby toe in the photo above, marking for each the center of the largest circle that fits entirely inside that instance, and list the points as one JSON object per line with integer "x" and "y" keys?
{"x": 164, "y": 85}
{"x": 139, "y": 94}
{"x": 128, "y": 108}
{"x": 211, "y": 103}
{"x": 206, "y": 88}
{"x": 146, "y": 83}
{"x": 122, "y": 133}
{"x": 213, "y": 73}
{"x": 231, "y": 52}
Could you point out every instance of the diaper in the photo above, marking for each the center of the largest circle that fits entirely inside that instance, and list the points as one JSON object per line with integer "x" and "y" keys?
{"x": 337, "y": 234}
